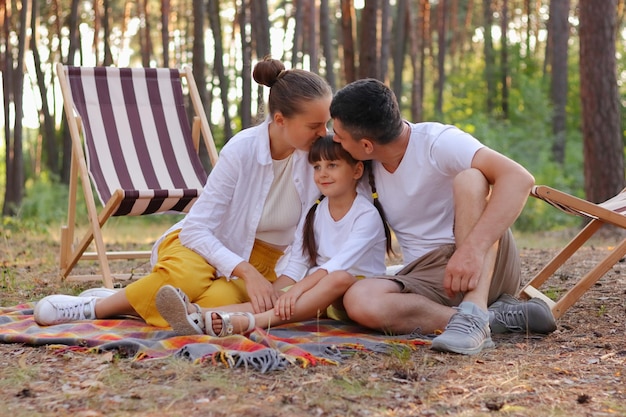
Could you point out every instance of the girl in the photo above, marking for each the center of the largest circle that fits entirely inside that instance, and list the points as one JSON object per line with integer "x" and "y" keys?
{"x": 226, "y": 249}
{"x": 342, "y": 232}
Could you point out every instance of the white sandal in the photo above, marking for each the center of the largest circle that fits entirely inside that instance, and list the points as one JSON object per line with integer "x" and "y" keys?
{"x": 227, "y": 325}
{"x": 172, "y": 305}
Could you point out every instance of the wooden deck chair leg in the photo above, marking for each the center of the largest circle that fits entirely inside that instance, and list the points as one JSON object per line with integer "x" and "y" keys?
{"x": 92, "y": 235}
{"x": 571, "y": 296}
{"x": 67, "y": 230}
{"x": 530, "y": 289}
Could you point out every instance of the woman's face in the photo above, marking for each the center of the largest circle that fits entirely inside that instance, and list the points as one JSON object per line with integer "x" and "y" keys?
{"x": 303, "y": 129}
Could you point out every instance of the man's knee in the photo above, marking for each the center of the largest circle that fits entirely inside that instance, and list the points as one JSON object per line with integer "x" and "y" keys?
{"x": 471, "y": 184}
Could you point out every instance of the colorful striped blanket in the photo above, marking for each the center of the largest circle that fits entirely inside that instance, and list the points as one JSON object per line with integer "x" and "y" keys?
{"x": 304, "y": 344}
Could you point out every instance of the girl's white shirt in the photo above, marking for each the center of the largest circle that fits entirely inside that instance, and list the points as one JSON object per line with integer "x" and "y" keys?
{"x": 222, "y": 224}
{"x": 356, "y": 243}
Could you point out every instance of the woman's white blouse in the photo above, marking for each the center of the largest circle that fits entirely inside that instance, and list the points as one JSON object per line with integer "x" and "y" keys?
{"x": 222, "y": 224}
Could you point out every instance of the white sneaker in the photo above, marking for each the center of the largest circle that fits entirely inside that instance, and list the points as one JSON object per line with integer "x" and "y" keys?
{"x": 98, "y": 292}
{"x": 56, "y": 309}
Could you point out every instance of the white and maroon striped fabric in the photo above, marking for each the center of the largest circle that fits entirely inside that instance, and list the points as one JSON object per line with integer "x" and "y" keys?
{"x": 137, "y": 137}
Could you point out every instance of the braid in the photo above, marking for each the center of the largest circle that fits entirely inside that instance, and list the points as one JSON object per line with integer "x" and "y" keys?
{"x": 379, "y": 207}
{"x": 308, "y": 236}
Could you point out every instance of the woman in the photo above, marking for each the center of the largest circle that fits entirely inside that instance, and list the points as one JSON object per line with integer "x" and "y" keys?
{"x": 343, "y": 231}
{"x": 226, "y": 249}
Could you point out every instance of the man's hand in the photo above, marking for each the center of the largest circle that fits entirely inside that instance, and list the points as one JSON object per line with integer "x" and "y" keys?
{"x": 463, "y": 271}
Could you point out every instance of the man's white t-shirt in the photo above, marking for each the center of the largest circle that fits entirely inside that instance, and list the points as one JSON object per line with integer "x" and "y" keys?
{"x": 417, "y": 197}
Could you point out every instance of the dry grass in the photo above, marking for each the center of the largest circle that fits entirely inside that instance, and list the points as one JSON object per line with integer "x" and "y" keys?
{"x": 578, "y": 370}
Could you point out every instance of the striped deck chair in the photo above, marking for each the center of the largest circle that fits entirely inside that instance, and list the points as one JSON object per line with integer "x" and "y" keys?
{"x": 611, "y": 212}
{"x": 132, "y": 138}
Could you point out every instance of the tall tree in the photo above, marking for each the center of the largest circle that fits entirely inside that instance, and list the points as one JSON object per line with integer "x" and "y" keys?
{"x": 312, "y": 38}
{"x": 297, "y": 33}
{"x": 106, "y": 26}
{"x": 504, "y": 57}
{"x": 347, "y": 38}
{"x": 261, "y": 41}
{"x": 441, "y": 54}
{"x": 368, "y": 52}
{"x": 218, "y": 61}
{"x": 15, "y": 89}
{"x": 400, "y": 37}
{"x": 603, "y": 143}
{"x": 48, "y": 132}
{"x": 165, "y": 29}
{"x": 145, "y": 30}
{"x": 385, "y": 40}
{"x": 327, "y": 44}
{"x": 71, "y": 54}
{"x": 490, "y": 59}
{"x": 246, "y": 71}
{"x": 559, "y": 33}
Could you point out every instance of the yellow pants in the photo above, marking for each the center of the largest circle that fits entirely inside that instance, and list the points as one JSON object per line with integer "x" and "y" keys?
{"x": 183, "y": 268}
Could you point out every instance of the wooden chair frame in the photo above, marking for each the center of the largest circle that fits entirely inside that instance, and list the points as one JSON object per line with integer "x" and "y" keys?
{"x": 609, "y": 212}
{"x": 72, "y": 253}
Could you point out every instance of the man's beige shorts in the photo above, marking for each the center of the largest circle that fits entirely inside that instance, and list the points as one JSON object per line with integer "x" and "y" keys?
{"x": 424, "y": 276}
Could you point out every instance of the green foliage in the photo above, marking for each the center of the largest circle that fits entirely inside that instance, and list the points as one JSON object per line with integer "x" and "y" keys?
{"x": 525, "y": 136}
{"x": 45, "y": 201}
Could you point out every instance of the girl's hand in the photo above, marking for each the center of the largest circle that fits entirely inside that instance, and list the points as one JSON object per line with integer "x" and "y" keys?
{"x": 285, "y": 306}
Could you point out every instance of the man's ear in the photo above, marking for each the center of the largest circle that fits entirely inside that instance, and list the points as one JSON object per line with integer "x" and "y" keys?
{"x": 367, "y": 145}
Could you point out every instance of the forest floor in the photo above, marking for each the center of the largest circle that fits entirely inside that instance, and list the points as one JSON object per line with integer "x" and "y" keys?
{"x": 579, "y": 370}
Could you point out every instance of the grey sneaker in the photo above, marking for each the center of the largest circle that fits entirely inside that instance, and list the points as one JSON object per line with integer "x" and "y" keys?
{"x": 513, "y": 315}
{"x": 56, "y": 309}
{"x": 98, "y": 292}
{"x": 466, "y": 333}
{"x": 173, "y": 305}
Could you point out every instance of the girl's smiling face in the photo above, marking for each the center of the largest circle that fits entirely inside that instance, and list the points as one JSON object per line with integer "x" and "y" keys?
{"x": 336, "y": 177}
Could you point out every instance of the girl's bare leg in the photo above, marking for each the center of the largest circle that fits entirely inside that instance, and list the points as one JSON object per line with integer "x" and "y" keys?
{"x": 308, "y": 306}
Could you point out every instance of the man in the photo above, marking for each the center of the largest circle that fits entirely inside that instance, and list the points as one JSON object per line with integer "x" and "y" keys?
{"x": 450, "y": 201}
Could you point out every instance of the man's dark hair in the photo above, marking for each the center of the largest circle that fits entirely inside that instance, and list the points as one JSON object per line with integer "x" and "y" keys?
{"x": 368, "y": 108}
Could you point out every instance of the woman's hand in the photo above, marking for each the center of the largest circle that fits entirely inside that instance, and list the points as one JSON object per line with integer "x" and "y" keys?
{"x": 261, "y": 292}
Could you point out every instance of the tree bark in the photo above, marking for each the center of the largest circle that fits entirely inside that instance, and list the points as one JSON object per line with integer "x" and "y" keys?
{"x": 165, "y": 30}
{"x": 603, "y": 144}
{"x": 347, "y": 37}
{"x": 261, "y": 42}
{"x": 400, "y": 40}
{"x": 504, "y": 58}
{"x": 368, "y": 52}
{"x": 297, "y": 33}
{"x": 559, "y": 28}
{"x": 441, "y": 55}
{"x": 218, "y": 63}
{"x": 327, "y": 44}
{"x": 246, "y": 71}
{"x": 385, "y": 41}
{"x": 490, "y": 60}
{"x": 15, "y": 159}
{"x": 48, "y": 132}
{"x": 106, "y": 26}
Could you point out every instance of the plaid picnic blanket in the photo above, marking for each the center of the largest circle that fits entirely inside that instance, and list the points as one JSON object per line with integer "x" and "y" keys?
{"x": 304, "y": 344}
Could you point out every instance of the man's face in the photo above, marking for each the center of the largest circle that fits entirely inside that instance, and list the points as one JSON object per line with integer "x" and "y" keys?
{"x": 350, "y": 144}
